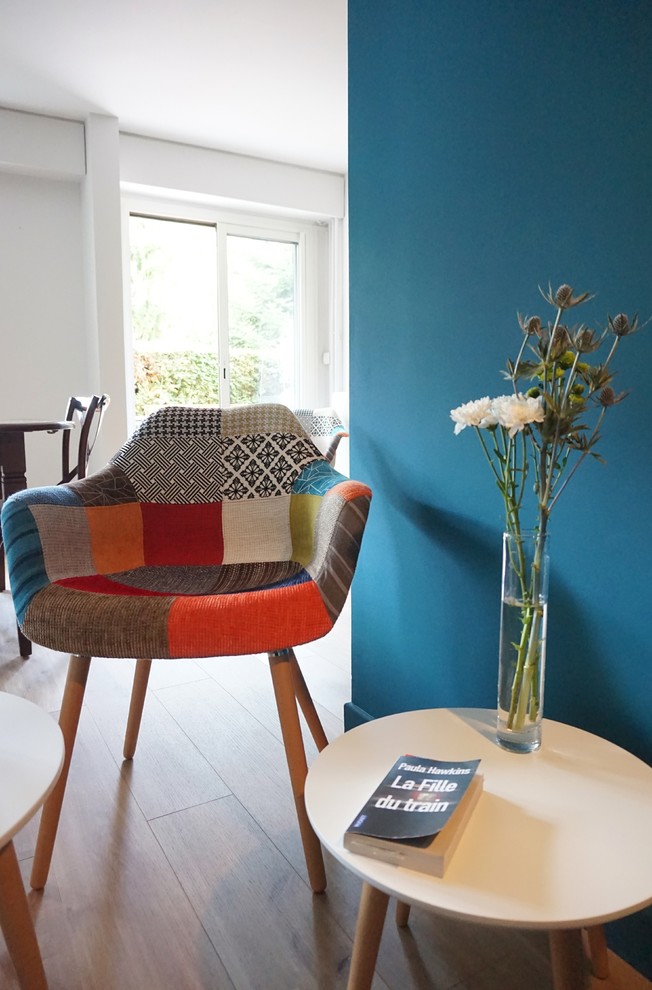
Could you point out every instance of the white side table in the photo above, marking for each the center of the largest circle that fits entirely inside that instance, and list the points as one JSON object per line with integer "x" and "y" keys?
{"x": 31, "y": 757}
{"x": 560, "y": 839}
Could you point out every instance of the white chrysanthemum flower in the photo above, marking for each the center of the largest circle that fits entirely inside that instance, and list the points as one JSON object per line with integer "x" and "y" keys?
{"x": 513, "y": 412}
{"x": 476, "y": 413}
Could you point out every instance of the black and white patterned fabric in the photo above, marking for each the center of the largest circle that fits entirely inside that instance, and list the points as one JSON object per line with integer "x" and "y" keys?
{"x": 190, "y": 455}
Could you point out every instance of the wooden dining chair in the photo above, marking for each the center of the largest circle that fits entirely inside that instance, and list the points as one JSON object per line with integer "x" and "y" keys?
{"x": 212, "y": 532}
{"x": 87, "y": 413}
{"x": 325, "y": 428}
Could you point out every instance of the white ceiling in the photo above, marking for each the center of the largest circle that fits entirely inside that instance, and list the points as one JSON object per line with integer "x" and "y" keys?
{"x": 259, "y": 77}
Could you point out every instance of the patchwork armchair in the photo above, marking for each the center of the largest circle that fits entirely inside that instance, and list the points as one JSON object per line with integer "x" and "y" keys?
{"x": 210, "y": 533}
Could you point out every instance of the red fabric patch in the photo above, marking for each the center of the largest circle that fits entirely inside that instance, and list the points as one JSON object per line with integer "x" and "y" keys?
{"x": 98, "y": 584}
{"x": 182, "y": 534}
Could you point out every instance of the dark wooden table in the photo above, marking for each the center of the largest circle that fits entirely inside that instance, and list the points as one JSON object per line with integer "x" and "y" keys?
{"x": 13, "y": 471}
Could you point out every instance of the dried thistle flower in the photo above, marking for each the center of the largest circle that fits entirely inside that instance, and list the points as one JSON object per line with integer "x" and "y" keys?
{"x": 530, "y": 325}
{"x": 560, "y": 343}
{"x": 563, "y": 297}
{"x": 563, "y": 390}
{"x": 597, "y": 377}
{"x": 621, "y": 326}
{"x": 585, "y": 340}
{"x": 607, "y": 397}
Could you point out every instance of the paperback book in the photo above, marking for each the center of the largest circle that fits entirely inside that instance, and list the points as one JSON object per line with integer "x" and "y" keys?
{"x": 417, "y": 814}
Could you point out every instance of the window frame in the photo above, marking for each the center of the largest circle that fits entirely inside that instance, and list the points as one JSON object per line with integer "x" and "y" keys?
{"x": 319, "y": 263}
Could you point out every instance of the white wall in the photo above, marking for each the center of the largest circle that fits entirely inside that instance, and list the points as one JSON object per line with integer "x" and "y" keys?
{"x": 61, "y": 281}
{"x": 46, "y": 146}
{"x": 239, "y": 178}
{"x": 44, "y": 353}
{"x": 60, "y": 286}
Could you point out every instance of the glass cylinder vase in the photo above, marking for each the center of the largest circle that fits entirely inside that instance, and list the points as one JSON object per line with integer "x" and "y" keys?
{"x": 522, "y": 649}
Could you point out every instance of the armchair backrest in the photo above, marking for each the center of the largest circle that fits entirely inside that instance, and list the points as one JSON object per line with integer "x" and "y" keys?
{"x": 212, "y": 486}
{"x": 193, "y": 487}
{"x": 227, "y": 499}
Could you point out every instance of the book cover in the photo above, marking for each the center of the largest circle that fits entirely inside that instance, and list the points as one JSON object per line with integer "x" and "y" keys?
{"x": 417, "y": 814}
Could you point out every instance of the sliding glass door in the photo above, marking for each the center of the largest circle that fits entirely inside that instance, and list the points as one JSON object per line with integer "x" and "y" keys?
{"x": 219, "y": 313}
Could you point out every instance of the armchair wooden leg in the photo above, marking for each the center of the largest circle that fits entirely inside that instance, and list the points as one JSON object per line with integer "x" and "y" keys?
{"x": 368, "y": 933}
{"x": 296, "y": 757}
{"x": 304, "y": 698}
{"x": 24, "y": 644}
{"x": 16, "y": 924}
{"x": 73, "y": 697}
{"x": 138, "y": 692}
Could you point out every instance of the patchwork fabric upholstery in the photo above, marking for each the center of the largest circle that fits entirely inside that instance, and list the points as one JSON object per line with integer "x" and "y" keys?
{"x": 211, "y": 532}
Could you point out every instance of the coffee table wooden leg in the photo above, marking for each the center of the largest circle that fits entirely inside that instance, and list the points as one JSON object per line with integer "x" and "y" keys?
{"x": 569, "y": 963}
{"x": 368, "y": 932}
{"x": 402, "y": 913}
{"x": 16, "y": 924}
{"x": 598, "y": 952}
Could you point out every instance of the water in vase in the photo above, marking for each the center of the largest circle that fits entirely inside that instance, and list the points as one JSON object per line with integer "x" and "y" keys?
{"x": 521, "y": 670}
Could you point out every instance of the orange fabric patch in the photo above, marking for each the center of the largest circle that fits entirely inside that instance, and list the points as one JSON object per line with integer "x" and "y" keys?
{"x": 253, "y": 622}
{"x": 351, "y": 489}
{"x": 116, "y": 533}
{"x": 183, "y": 534}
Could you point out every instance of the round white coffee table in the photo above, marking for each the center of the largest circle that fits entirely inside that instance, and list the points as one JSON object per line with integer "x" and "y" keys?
{"x": 558, "y": 841}
{"x": 31, "y": 757}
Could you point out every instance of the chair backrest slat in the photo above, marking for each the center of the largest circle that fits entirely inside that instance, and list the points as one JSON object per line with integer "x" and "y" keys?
{"x": 87, "y": 412}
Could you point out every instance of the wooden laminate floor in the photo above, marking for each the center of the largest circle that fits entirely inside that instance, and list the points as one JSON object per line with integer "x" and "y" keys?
{"x": 183, "y": 869}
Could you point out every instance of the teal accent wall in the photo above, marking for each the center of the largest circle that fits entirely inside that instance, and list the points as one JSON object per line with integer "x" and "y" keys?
{"x": 495, "y": 147}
